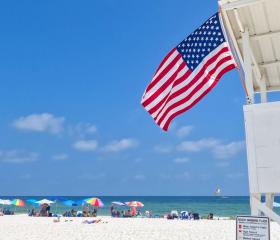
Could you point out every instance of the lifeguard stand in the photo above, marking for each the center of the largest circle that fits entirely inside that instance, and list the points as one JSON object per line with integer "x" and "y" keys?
{"x": 253, "y": 29}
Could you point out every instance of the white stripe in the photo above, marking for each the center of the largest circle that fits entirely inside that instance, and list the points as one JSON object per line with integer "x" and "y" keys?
{"x": 169, "y": 60}
{"x": 200, "y": 66}
{"x": 166, "y": 90}
{"x": 194, "y": 73}
{"x": 197, "y": 94}
{"x": 163, "y": 80}
{"x": 187, "y": 92}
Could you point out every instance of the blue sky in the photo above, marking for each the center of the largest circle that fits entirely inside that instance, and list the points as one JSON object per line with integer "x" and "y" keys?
{"x": 72, "y": 76}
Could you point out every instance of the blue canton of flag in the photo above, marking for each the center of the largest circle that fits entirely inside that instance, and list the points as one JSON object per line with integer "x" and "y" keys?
{"x": 201, "y": 42}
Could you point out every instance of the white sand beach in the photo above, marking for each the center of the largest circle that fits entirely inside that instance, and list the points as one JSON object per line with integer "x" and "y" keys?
{"x": 22, "y": 227}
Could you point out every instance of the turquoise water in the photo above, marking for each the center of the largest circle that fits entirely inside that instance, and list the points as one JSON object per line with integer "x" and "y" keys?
{"x": 220, "y": 206}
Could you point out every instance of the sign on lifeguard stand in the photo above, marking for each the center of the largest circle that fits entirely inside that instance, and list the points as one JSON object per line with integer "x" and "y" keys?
{"x": 253, "y": 30}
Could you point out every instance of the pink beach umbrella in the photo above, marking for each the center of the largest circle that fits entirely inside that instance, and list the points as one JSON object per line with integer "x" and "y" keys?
{"x": 134, "y": 204}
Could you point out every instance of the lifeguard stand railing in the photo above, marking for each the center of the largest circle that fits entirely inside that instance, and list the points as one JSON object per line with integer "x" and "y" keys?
{"x": 253, "y": 28}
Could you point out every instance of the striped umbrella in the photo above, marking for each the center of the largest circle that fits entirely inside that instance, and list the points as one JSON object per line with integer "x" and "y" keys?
{"x": 96, "y": 202}
{"x": 45, "y": 201}
{"x": 134, "y": 204}
{"x": 18, "y": 203}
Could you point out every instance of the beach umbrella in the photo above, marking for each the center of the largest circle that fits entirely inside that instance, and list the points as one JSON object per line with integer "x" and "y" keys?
{"x": 118, "y": 203}
{"x": 57, "y": 198}
{"x": 5, "y": 202}
{"x": 134, "y": 204}
{"x": 70, "y": 203}
{"x": 276, "y": 204}
{"x": 18, "y": 203}
{"x": 45, "y": 201}
{"x": 96, "y": 202}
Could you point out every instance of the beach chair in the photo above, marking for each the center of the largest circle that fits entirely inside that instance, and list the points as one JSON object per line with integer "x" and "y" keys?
{"x": 184, "y": 215}
{"x": 174, "y": 214}
{"x": 196, "y": 216}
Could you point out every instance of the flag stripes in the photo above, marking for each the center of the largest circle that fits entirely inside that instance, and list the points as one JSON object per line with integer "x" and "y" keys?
{"x": 182, "y": 79}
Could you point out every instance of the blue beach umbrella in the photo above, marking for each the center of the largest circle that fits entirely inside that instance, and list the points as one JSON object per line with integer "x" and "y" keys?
{"x": 57, "y": 198}
{"x": 70, "y": 203}
{"x": 118, "y": 203}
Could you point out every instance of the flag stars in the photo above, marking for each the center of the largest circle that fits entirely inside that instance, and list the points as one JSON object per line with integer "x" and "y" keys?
{"x": 201, "y": 42}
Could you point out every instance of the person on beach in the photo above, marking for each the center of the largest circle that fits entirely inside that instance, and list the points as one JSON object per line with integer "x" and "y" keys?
{"x": 133, "y": 211}
{"x": 210, "y": 216}
{"x": 111, "y": 209}
{"x": 86, "y": 211}
{"x": 94, "y": 212}
{"x": 32, "y": 213}
{"x": 92, "y": 221}
{"x": 48, "y": 211}
{"x": 118, "y": 214}
{"x": 43, "y": 210}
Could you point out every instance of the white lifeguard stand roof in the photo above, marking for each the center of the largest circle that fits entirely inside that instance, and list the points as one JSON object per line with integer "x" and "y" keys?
{"x": 261, "y": 19}
{"x": 253, "y": 29}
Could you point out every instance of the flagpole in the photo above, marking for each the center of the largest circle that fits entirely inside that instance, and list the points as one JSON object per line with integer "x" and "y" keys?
{"x": 233, "y": 45}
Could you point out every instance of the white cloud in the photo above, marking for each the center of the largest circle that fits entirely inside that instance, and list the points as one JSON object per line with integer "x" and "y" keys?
{"x": 197, "y": 146}
{"x": 120, "y": 145}
{"x": 163, "y": 149}
{"x": 184, "y": 131}
{"x": 86, "y": 145}
{"x": 140, "y": 177}
{"x": 44, "y": 122}
{"x": 60, "y": 157}
{"x": 228, "y": 150}
{"x": 18, "y": 157}
{"x": 82, "y": 129}
{"x": 181, "y": 160}
{"x": 216, "y": 147}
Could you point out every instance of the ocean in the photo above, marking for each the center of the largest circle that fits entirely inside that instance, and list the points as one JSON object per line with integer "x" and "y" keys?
{"x": 218, "y": 205}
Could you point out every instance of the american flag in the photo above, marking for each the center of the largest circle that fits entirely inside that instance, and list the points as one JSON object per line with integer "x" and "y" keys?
{"x": 188, "y": 72}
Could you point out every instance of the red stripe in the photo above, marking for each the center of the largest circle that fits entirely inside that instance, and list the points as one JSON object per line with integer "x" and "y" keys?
{"x": 198, "y": 76}
{"x": 164, "y": 86}
{"x": 228, "y": 68}
{"x": 164, "y": 72}
{"x": 165, "y": 59}
{"x": 161, "y": 104}
{"x": 199, "y": 86}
